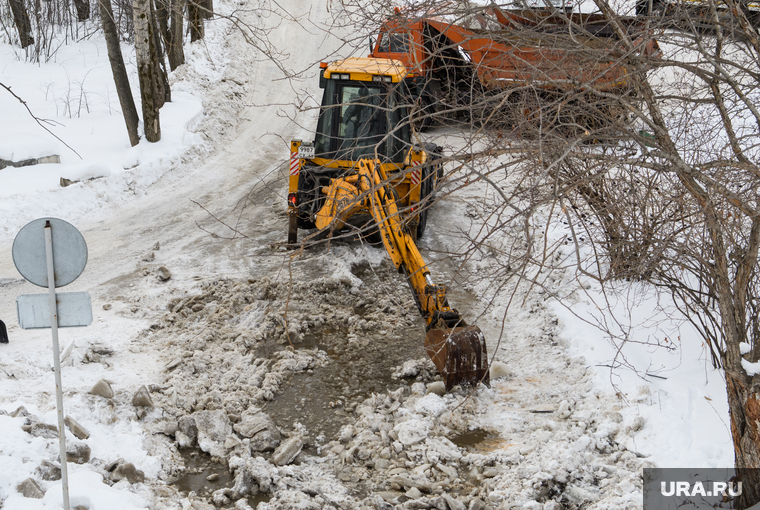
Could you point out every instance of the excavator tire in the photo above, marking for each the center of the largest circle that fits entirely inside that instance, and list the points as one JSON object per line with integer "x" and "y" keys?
{"x": 430, "y": 176}
{"x": 307, "y": 194}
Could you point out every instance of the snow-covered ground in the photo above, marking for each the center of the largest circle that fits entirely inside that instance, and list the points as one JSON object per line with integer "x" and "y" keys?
{"x": 557, "y": 426}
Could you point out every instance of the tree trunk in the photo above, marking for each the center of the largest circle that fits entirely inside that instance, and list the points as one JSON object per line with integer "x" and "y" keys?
{"x": 83, "y": 9}
{"x": 23, "y": 25}
{"x": 119, "y": 71}
{"x": 175, "y": 51}
{"x": 195, "y": 17}
{"x": 162, "y": 79}
{"x": 743, "y": 390}
{"x": 162, "y": 17}
{"x": 207, "y": 8}
{"x": 147, "y": 64}
{"x": 744, "y": 409}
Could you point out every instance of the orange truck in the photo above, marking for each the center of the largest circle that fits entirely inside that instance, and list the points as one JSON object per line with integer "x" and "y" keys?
{"x": 545, "y": 51}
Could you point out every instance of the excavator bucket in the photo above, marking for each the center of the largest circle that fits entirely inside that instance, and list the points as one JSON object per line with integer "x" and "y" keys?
{"x": 459, "y": 354}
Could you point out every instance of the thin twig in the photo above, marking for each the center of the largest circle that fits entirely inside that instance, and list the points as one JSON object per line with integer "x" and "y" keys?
{"x": 6, "y": 87}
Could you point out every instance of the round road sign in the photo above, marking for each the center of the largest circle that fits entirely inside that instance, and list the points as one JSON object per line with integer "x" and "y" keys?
{"x": 69, "y": 252}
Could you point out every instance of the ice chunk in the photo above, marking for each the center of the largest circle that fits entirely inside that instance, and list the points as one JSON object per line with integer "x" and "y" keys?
{"x": 430, "y": 404}
{"x": 413, "y": 431}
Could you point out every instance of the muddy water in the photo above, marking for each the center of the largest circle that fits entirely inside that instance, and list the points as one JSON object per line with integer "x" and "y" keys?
{"x": 481, "y": 441}
{"x": 470, "y": 439}
{"x": 199, "y": 468}
{"x": 322, "y": 399}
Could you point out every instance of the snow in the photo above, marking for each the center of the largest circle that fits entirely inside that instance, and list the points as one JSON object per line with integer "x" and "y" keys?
{"x": 751, "y": 368}
{"x": 661, "y": 368}
{"x": 430, "y": 404}
{"x": 22, "y": 146}
{"x": 664, "y": 403}
{"x": 22, "y": 453}
{"x": 413, "y": 430}
{"x": 75, "y": 99}
{"x": 85, "y": 488}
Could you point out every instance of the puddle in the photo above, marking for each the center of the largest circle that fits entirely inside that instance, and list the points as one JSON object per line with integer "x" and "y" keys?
{"x": 471, "y": 439}
{"x": 199, "y": 468}
{"x": 479, "y": 440}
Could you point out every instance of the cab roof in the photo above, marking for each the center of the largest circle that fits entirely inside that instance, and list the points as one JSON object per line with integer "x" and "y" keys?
{"x": 363, "y": 69}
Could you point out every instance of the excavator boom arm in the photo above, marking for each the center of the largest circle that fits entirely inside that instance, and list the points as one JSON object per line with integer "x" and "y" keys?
{"x": 458, "y": 350}
{"x": 398, "y": 241}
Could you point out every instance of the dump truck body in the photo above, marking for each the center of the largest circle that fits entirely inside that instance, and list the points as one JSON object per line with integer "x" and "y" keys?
{"x": 533, "y": 49}
{"x": 667, "y": 12}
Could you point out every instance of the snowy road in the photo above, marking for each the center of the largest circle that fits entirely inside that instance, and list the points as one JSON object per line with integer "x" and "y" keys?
{"x": 247, "y": 151}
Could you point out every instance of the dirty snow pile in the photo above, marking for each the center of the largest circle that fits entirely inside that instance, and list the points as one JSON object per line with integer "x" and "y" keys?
{"x": 229, "y": 358}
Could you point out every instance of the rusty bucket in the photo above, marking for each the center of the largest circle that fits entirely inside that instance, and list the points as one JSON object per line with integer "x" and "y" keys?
{"x": 459, "y": 354}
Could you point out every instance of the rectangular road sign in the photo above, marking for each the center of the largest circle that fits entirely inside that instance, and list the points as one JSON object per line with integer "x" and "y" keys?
{"x": 74, "y": 309}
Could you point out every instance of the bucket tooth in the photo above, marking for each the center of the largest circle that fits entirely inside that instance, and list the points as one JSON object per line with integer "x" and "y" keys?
{"x": 459, "y": 354}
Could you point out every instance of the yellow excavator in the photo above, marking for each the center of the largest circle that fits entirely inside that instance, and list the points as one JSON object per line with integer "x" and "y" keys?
{"x": 363, "y": 164}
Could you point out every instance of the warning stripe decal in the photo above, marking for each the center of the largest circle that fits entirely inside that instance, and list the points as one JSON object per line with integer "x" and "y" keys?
{"x": 294, "y": 163}
{"x": 415, "y": 177}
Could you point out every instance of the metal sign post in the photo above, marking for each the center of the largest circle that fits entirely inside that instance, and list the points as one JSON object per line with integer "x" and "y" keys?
{"x": 67, "y": 243}
{"x": 56, "y": 360}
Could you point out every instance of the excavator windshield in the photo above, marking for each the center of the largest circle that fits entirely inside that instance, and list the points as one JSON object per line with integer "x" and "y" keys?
{"x": 359, "y": 119}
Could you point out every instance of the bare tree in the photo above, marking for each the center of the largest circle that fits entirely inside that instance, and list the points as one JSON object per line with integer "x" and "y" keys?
{"x": 120, "y": 77}
{"x": 161, "y": 75}
{"x": 195, "y": 15}
{"x": 147, "y": 70}
{"x": 23, "y": 25}
{"x": 176, "y": 51}
{"x": 83, "y": 9}
{"x": 674, "y": 203}
{"x": 170, "y": 23}
{"x": 671, "y": 199}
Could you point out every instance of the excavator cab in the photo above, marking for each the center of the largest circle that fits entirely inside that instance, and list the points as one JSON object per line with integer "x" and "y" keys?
{"x": 362, "y": 162}
{"x": 362, "y": 119}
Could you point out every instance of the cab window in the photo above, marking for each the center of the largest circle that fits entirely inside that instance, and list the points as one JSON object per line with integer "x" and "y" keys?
{"x": 362, "y": 119}
{"x": 353, "y": 122}
{"x": 395, "y": 42}
{"x": 363, "y": 125}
